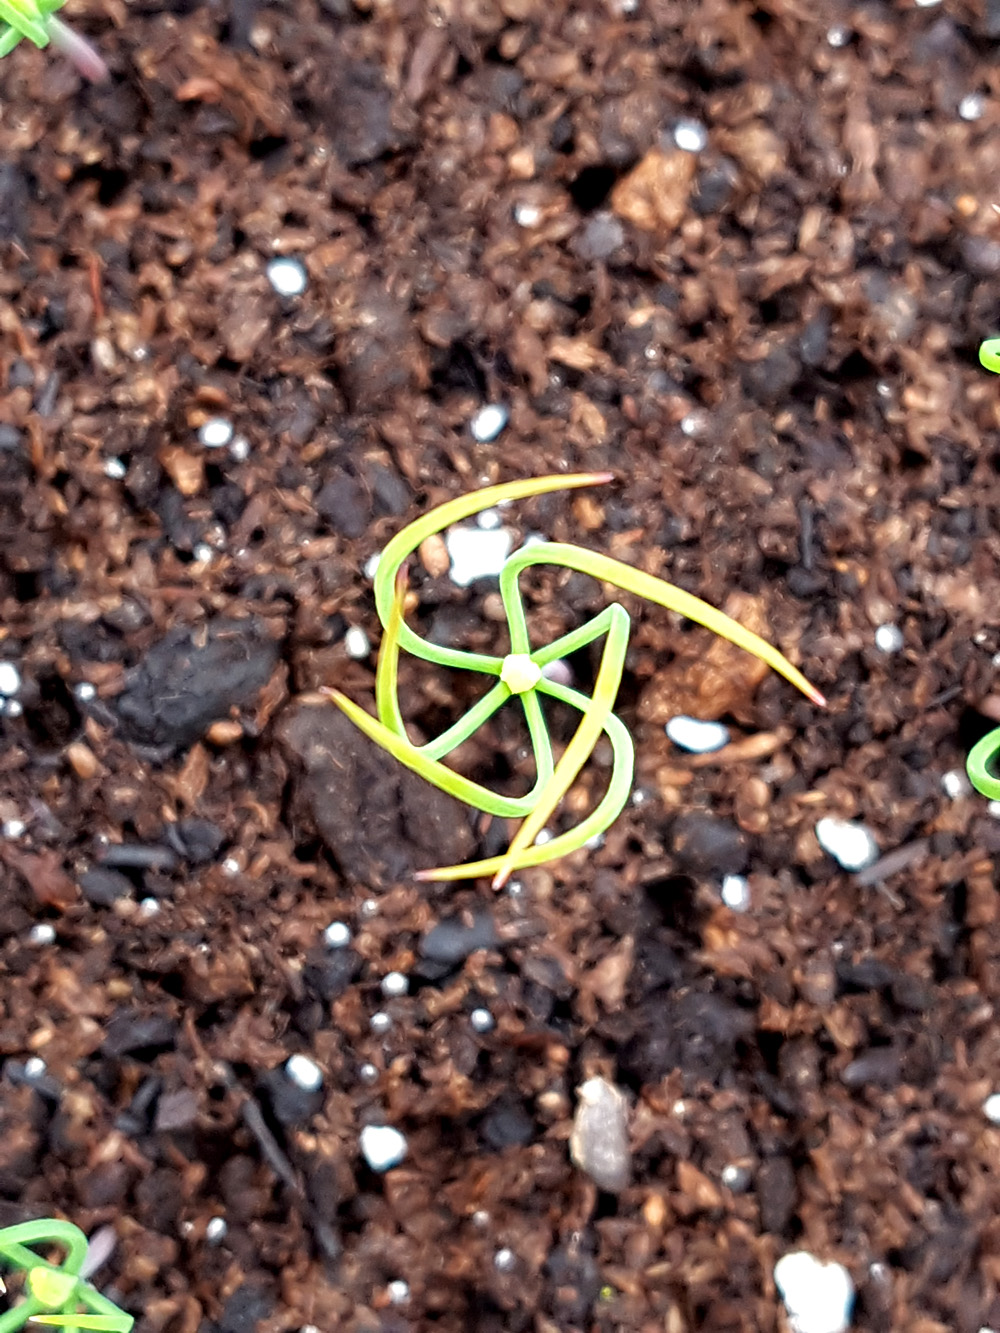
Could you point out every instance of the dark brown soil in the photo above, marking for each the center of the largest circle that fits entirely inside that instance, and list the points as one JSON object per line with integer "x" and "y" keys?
{"x": 772, "y": 345}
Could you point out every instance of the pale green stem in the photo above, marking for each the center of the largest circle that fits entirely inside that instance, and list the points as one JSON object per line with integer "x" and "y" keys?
{"x": 552, "y": 780}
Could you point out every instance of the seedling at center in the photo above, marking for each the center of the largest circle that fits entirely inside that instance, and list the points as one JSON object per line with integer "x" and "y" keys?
{"x": 520, "y": 674}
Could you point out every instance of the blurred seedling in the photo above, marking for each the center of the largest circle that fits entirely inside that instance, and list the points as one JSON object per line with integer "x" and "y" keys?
{"x": 521, "y": 673}
{"x": 981, "y": 763}
{"x": 37, "y": 21}
{"x": 54, "y": 1295}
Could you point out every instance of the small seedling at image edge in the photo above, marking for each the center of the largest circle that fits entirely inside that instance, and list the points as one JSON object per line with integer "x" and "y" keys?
{"x": 36, "y": 20}
{"x": 981, "y": 762}
{"x": 521, "y": 673}
{"x": 989, "y": 355}
{"x": 55, "y": 1296}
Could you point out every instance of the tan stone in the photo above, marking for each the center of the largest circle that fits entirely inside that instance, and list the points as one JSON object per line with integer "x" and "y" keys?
{"x": 654, "y": 195}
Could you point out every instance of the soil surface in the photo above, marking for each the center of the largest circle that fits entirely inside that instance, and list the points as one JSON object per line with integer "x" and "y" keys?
{"x": 768, "y": 336}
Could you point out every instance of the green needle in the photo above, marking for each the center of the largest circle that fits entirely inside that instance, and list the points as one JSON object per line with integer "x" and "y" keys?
{"x": 518, "y": 678}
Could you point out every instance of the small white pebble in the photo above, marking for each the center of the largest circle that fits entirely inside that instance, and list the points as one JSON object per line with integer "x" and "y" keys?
{"x": 926, "y": 4}
{"x": 368, "y": 1073}
{"x": 735, "y": 1177}
{"x": 955, "y": 784}
{"x": 34, "y": 1067}
{"x": 489, "y": 520}
{"x": 369, "y": 907}
{"x": 559, "y": 671}
{"x": 691, "y": 733}
{"x": 149, "y": 907}
{"x": 504, "y": 1260}
{"x": 515, "y": 889}
{"x": 736, "y": 892}
{"x": 543, "y": 836}
{"x": 115, "y": 469}
{"x": 889, "y": 638}
{"x": 690, "y": 136}
{"x": 215, "y": 433}
{"x": 695, "y": 423}
{"x": 382, "y": 1146}
{"x": 480, "y": 1218}
{"x": 993, "y": 809}
{"x": 838, "y": 35}
{"x": 304, "y": 1073}
{"x": 991, "y": 1108}
{"x": 84, "y": 692}
{"x": 288, "y": 277}
{"x": 488, "y": 422}
{"x": 12, "y": 707}
{"x": 595, "y": 843}
{"x": 395, "y": 984}
{"x": 476, "y": 553}
{"x": 10, "y": 679}
{"x": 337, "y": 935}
{"x": 370, "y": 567}
{"x": 972, "y": 106}
{"x": 819, "y": 1297}
{"x": 527, "y": 215}
{"x": 43, "y": 933}
{"x": 599, "y": 1142}
{"x": 231, "y": 866}
{"x": 380, "y": 1023}
{"x": 239, "y": 449}
{"x": 482, "y": 1020}
{"x": 215, "y": 1230}
{"x": 851, "y": 845}
{"x": 399, "y": 1291}
{"x": 202, "y": 553}
{"x": 357, "y": 643}
{"x": 639, "y": 797}
{"x": 13, "y": 828}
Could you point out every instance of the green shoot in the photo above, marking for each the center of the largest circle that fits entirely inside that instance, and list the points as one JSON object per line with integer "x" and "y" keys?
{"x": 55, "y": 1295}
{"x": 36, "y": 20}
{"x": 520, "y": 675}
{"x": 980, "y": 763}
